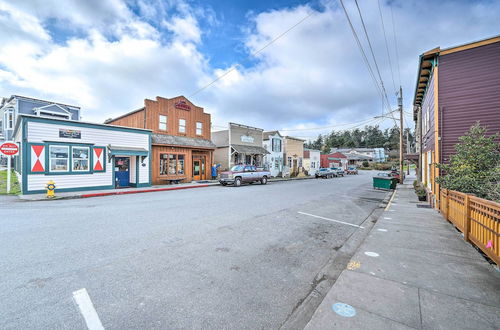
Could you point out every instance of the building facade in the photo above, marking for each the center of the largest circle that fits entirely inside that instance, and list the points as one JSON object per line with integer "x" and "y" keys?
{"x": 80, "y": 156}
{"x": 336, "y": 159}
{"x": 456, "y": 87}
{"x": 376, "y": 155}
{"x": 312, "y": 161}
{"x": 273, "y": 143}
{"x": 239, "y": 144}
{"x": 15, "y": 105}
{"x": 181, "y": 146}
{"x": 294, "y": 154}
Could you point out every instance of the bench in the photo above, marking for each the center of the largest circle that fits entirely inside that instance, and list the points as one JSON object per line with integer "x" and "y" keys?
{"x": 173, "y": 180}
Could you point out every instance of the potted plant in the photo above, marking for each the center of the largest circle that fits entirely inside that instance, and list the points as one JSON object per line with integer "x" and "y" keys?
{"x": 421, "y": 193}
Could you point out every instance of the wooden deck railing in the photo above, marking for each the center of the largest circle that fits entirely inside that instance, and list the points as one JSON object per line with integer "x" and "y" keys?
{"x": 478, "y": 219}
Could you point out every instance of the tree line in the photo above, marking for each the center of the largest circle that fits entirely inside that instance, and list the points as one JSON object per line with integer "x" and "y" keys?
{"x": 367, "y": 137}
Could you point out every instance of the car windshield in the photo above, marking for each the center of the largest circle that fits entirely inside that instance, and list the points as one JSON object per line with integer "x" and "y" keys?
{"x": 237, "y": 168}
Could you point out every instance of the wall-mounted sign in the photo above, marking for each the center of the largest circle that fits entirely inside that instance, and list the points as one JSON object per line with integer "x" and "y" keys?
{"x": 182, "y": 105}
{"x": 247, "y": 138}
{"x": 70, "y": 133}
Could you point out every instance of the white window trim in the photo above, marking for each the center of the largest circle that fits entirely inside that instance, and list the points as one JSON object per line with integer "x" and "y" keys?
{"x": 87, "y": 159}
{"x": 160, "y": 123}
{"x": 182, "y": 126}
{"x": 68, "y": 158}
{"x": 200, "y": 128}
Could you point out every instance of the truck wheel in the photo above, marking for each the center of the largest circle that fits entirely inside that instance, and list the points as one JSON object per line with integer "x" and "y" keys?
{"x": 237, "y": 182}
{"x": 263, "y": 180}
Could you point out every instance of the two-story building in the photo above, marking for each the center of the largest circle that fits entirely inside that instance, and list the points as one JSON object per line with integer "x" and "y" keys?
{"x": 273, "y": 143}
{"x": 15, "y": 105}
{"x": 239, "y": 144}
{"x": 181, "y": 146}
{"x": 293, "y": 154}
{"x": 455, "y": 88}
{"x": 312, "y": 161}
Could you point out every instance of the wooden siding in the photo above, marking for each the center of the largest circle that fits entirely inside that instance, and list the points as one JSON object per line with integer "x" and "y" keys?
{"x": 135, "y": 119}
{"x": 188, "y": 153}
{"x": 428, "y": 110}
{"x": 293, "y": 148}
{"x": 237, "y": 132}
{"x": 469, "y": 91}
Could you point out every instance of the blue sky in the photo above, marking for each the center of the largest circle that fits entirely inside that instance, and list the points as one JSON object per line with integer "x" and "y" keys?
{"x": 107, "y": 56}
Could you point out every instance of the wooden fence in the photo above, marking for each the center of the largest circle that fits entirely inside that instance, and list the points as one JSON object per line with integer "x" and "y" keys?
{"x": 478, "y": 219}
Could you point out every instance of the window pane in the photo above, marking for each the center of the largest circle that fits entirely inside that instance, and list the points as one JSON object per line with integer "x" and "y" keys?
{"x": 180, "y": 164}
{"x": 163, "y": 164}
{"x": 163, "y": 123}
{"x": 80, "y": 152}
{"x": 172, "y": 164}
{"x": 58, "y": 164}
{"x": 80, "y": 158}
{"x": 199, "y": 128}
{"x": 182, "y": 126}
{"x": 58, "y": 152}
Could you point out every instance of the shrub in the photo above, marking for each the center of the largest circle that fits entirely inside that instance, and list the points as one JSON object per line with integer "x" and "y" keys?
{"x": 366, "y": 164}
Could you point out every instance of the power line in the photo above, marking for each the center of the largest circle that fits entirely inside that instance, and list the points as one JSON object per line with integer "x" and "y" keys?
{"x": 374, "y": 59}
{"x": 365, "y": 58}
{"x": 251, "y": 55}
{"x": 386, "y": 44}
{"x": 362, "y": 122}
{"x": 395, "y": 45}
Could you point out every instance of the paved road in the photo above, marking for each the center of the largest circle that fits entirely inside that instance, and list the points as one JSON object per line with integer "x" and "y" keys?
{"x": 217, "y": 257}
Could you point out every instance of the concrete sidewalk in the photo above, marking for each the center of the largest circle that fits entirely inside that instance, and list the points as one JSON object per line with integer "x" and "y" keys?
{"x": 413, "y": 271}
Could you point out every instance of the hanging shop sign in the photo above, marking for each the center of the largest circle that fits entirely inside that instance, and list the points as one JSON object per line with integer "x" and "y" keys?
{"x": 70, "y": 133}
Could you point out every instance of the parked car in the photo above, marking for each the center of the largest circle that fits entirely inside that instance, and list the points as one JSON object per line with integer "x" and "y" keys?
{"x": 240, "y": 174}
{"x": 325, "y": 173}
{"x": 352, "y": 170}
{"x": 338, "y": 170}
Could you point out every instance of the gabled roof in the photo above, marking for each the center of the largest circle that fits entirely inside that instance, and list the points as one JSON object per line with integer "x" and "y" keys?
{"x": 267, "y": 134}
{"x": 53, "y": 108}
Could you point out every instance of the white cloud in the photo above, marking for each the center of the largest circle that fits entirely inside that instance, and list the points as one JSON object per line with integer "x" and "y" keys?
{"x": 313, "y": 76}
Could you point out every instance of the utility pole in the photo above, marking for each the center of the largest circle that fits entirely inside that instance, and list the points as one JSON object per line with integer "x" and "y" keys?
{"x": 400, "y": 106}
{"x": 408, "y": 150}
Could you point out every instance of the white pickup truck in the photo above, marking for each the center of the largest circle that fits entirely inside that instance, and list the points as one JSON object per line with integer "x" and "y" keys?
{"x": 243, "y": 174}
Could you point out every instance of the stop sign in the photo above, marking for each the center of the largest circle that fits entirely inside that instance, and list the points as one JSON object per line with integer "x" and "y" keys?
{"x": 9, "y": 148}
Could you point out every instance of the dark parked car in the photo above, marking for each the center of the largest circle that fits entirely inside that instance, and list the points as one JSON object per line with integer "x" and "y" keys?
{"x": 338, "y": 170}
{"x": 325, "y": 173}
{"x": 243, "y": 174}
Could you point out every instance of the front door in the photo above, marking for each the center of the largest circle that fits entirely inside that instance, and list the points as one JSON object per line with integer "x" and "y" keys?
{"x": 196, "y": 169}
{"x": 122, "y": 174}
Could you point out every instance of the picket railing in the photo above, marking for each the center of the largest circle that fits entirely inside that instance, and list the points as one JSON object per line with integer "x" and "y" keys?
{"x": 478, "y": 219}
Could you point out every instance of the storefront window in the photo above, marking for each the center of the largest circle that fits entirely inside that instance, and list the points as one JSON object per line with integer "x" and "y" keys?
{"x": 59, "y": 156}
{"x": 172, "y": 164}
{"x": 80, "y": 158}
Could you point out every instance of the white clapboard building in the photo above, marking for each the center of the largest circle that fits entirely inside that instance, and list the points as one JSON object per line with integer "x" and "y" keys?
{"x": 80, "y": 156}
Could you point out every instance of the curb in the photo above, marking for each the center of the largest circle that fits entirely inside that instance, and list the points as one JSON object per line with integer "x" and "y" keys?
{"x": 331, "y": 270}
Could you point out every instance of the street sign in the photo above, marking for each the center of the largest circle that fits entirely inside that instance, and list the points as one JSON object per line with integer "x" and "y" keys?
{"x": 9, "y": 149}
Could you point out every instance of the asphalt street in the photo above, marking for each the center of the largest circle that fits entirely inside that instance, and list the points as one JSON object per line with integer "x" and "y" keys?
{"x": 215, "y": 257}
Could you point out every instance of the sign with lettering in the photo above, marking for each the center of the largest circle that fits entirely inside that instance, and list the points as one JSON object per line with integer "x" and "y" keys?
{"x": 247, "y": 138}
{"x": 9, "y": 148}
{"x": 70, "y": 133}
{"x": 182, "y": 105}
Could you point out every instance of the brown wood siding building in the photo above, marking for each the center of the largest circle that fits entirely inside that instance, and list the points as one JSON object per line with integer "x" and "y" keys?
{"x": 181, "y": 146}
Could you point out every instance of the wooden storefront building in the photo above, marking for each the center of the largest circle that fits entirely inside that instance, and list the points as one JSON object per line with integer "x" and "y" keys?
{"x": 181, "y": 146}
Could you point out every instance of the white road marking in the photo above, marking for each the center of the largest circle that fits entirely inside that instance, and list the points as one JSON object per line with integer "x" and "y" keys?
{"x": 372, "y": 254}
{"x": 338, "y": 221}
{"x": 387, "y": 218}
{"x": 87, "y": 309}
{"x": 381, "y": 229}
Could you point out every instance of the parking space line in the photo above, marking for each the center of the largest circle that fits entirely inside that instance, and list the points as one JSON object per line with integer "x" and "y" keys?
{"x": 87, "y": 309}
{"x": 338, "y": 221}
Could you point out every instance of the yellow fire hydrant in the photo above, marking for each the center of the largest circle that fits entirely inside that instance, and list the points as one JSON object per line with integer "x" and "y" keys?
{"x": 51, "y": 187}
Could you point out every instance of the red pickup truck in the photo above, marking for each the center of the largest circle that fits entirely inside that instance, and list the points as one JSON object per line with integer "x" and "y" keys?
{"x": 243, "y": 174}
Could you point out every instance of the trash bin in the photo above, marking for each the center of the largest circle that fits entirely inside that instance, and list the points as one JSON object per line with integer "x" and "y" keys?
{"x": 383, "y": 182}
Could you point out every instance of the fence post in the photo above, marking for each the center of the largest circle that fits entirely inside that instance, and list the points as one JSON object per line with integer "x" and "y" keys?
{"x": 447, "y": 205}
{"x": 467, "y": 218}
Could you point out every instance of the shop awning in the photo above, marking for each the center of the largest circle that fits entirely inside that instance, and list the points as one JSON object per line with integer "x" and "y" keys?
{"x": 249, "y": 150}
{"x": 127, "y": 151}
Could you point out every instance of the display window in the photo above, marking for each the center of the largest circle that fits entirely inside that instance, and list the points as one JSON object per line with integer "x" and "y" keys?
{"x": 172, "y": 164}
{"x": 80, "y": 158}
{"x": 59, "y": 158}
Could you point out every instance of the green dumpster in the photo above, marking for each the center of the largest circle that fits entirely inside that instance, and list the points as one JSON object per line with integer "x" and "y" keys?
{"x": 384, "y": 182}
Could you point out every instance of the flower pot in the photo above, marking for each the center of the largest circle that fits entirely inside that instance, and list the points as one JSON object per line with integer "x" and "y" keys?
{"x": 422, "y": 198}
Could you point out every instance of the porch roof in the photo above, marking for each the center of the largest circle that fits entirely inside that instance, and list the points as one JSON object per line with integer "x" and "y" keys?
{"x": 251, "y": 150}
{"x": 182, "y": 141}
